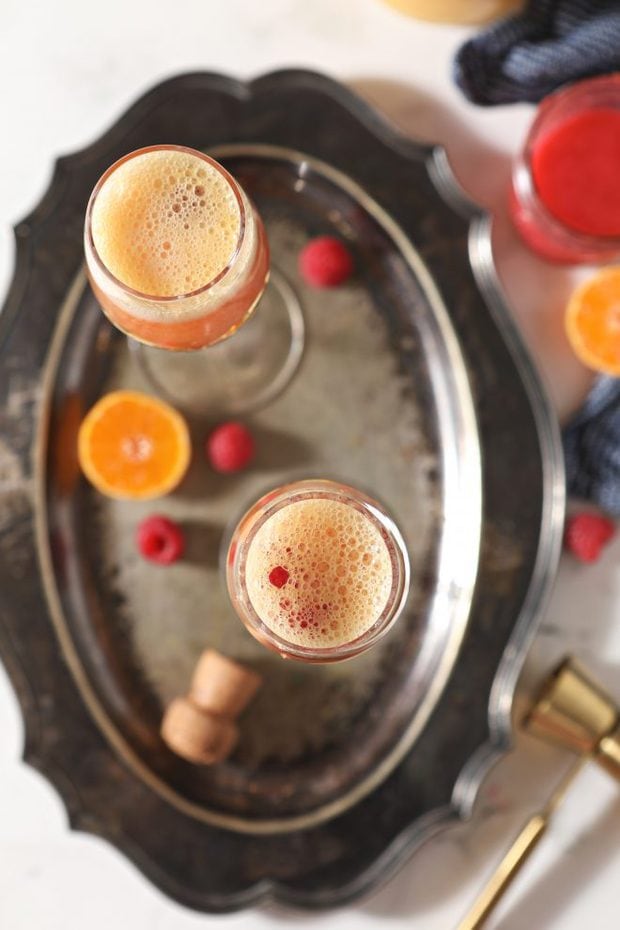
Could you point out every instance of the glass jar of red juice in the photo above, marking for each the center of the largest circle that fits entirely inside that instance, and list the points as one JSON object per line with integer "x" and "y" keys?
{"x": 565, "y": 194}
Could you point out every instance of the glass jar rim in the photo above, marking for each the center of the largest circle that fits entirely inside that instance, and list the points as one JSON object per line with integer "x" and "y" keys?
{"x": 141, "y": 295}
{"x": 559, "y": 96}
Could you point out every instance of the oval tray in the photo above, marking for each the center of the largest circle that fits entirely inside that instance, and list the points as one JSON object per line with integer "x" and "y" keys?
{"x": 408, "y": 387}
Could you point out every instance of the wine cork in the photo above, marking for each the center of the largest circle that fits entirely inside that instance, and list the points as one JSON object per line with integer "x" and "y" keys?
{"x": 222, "y": 686}
{"x": 201, "y": 726}
{"x": 197, "y": 736}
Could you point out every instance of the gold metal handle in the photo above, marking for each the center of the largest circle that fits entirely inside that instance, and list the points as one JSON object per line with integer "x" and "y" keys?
{"x": 505, "y": 873}
{"x": 518, "y": 854}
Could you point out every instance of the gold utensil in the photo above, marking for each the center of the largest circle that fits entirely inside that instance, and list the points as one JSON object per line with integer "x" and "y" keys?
{"x": 517, "y": 855}
{"x": 571, "y": 711}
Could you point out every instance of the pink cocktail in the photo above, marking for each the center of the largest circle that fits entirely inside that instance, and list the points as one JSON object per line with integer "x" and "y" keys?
{"x": 317, "y": 571}
{"x": 176, "y": 254}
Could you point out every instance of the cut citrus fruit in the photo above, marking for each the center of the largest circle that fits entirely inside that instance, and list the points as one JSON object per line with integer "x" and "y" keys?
{"x": 593, "y": 321}
{"x": 131, "y": 445}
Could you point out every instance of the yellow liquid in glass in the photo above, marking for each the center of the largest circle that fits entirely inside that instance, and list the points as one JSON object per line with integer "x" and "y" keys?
{"x": 336, "y": 573}
{"x": 461, "y": 12}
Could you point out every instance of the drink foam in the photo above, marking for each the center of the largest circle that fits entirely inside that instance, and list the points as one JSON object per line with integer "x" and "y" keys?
{"x": 318, "y": 573}
{"x": 165, "y": 223}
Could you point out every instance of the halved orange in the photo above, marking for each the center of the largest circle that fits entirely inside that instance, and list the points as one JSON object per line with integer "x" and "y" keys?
{"x": 593, "y": 321}
{"x": 133, "y": 446}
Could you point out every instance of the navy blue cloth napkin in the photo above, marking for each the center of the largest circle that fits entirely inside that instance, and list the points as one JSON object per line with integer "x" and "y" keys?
{"x": 592, "y": 447}
{"x": 526, "y": 57}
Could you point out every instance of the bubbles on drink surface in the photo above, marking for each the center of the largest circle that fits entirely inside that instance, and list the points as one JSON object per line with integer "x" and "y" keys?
{"x": 319, "y": 573}
{"x": 166, "y": 223}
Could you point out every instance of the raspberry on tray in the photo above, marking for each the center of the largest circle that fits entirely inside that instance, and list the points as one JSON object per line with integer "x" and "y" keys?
{"x": 230, "y": 447}
{"x": 160, "y": 540}
{"x": 325, "y": 262}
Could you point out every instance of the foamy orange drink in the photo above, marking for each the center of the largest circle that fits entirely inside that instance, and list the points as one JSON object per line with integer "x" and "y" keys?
{"x": 175, "y": 252}
{"x": 317, "y": 571}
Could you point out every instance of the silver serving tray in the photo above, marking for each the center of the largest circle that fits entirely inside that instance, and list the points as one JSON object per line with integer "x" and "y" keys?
{"x": 414, "y": 385}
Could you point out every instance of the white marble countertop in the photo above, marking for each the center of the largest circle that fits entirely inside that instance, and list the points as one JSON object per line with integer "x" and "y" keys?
{"x": 66, "y": 71}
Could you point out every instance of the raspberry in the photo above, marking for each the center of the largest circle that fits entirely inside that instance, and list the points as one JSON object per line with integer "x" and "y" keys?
{"x": 278, "y": 576}
{"x": 325, "y": 262}
{"x": 160, "y": 540}
{"x": 230, "y": 447}
{"x": 585, "y": 535}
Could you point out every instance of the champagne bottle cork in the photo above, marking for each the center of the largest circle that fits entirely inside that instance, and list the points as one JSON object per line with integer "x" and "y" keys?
{"x": 195, "y": 735}
{"x": 201, "y": 726}
{"x": 222, "y": 686}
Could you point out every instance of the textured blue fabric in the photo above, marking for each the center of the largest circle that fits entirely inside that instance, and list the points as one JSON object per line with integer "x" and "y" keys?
{"x": 592, "y": 447}
{"x": 526, "y": 57}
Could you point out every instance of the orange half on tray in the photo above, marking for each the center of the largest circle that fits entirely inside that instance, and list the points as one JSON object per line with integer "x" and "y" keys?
{"x": 133, "y": 446}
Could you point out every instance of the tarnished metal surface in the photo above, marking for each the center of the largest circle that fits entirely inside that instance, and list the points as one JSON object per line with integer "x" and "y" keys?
{"x": 381, "y": 401}
{"x": 406, "y": 378}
